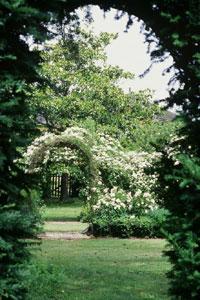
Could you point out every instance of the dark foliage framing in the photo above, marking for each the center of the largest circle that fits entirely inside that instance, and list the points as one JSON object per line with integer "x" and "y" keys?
{"x": 176, "y": 24}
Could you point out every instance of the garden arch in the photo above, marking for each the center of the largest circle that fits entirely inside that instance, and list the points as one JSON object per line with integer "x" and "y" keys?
{"x": 38, "y": 154}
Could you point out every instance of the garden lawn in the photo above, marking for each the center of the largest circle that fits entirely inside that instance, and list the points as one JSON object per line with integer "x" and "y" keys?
{"x": 65, "y": 226}
{"x": 62, "y": 211}
{"x": 99, "y": 269}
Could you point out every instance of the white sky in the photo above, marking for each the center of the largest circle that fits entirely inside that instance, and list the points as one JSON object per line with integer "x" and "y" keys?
{"x": 130, "y": 53}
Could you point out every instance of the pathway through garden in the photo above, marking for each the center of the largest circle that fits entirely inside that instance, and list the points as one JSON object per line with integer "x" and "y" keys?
{"x": 68, "y": 230}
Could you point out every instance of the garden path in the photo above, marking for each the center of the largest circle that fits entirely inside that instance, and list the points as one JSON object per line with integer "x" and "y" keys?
{"x": 64, "y": 230}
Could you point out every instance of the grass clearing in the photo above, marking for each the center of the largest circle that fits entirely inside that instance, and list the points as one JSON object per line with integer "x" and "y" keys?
{"x": 99, "y": 269}
{"x": 64, "y": 227}
{"x": 63, "y": 211}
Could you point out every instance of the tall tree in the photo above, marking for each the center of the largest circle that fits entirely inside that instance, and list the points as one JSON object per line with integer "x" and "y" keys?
{"x": 81, "y": 86}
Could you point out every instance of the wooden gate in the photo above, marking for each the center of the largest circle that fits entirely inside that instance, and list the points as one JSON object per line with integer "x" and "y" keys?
{"x": 60, "y": 187}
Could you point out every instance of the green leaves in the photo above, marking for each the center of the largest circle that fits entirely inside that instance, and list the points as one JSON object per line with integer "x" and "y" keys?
{"x": 177, "y": 41}
{"x": 8, "y": 121}
{"x": 80, "y": 86}
{"x": 18, "y": 214}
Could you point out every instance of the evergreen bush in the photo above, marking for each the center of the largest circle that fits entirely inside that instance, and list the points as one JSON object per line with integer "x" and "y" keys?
{"x": 182, "y": 227}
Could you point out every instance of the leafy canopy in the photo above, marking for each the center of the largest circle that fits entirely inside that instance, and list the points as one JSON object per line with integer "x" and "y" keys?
{"x": 78, "y": 85}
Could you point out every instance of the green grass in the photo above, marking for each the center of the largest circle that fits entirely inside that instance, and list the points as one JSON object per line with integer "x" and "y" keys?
{"x": 65, "y": 227}
{"x": 62, "y": 211}
{"x": 99, "y": 269}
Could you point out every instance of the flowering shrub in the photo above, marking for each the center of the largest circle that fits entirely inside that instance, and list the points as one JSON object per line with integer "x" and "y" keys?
{"x": 127, "y": 171}
{"x": 114, "y": 201}
{"x": 121, "y": 188}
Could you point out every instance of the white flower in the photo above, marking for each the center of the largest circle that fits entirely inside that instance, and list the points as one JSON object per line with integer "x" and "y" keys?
{"x": 138, "y": 193}
{"x": 132, "y": 217}
{"x": 146, "y": 195}
{"x": 123, "y": 205}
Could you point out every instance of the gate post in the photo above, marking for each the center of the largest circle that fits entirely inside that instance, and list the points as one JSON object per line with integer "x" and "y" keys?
{"x": 64, "y": 191}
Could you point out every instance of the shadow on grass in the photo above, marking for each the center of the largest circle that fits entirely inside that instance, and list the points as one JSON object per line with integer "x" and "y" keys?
{"x": 63, "y": 211}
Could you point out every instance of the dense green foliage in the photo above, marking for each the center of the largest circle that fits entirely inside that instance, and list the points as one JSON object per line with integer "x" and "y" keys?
{"x": 181, "y": 173}
{"x": 80, "y": 88}
{"x": 176, "y": 24}
{"x": 18, "y": 196}
{"x": 122, "y": 225}
{"x": 18, "y": 204}
{"x": 155, "y": 135}
{"x": 99, "y": 269}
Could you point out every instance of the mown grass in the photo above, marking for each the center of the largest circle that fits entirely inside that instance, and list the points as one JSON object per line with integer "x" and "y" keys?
{"x": 65, "y": 227}
{"x": 99, "y": 269}
{"x": 63, "y": 211}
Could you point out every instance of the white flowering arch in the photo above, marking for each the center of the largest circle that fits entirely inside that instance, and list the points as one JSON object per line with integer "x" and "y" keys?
{"x": 108, "y": 163}
{"x": 73, "y": 146}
